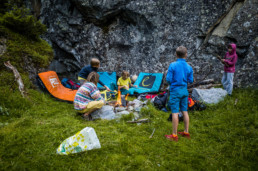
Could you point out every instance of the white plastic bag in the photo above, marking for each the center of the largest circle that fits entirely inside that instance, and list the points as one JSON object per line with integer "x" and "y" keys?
{"x": 83, "y": 140}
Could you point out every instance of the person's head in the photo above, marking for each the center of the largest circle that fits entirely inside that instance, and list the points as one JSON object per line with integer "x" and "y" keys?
{"x": 93, "y": 77}
{"x": 230, "y": 48}
{"x": 95, "y": 63}
{"x": 125, "y": 75}
{"x": 181, "y": 52}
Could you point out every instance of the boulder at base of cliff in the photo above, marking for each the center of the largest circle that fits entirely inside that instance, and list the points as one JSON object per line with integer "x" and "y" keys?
{"x": 209, "y": 96}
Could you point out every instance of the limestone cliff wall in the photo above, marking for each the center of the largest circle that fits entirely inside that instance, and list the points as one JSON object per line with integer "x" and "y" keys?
{"x": 142, "y": 35}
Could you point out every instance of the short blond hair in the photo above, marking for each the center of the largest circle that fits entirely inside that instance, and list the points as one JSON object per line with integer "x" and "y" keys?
{"x": 93, "y": 77}
{"x": 125, "y": 73}
{"x": 181, "y": 52}
{"x": 94, "y": 62}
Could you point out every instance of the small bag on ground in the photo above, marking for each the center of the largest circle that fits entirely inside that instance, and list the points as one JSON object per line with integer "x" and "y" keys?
{"x": 83, "y": 140}
{"x": 195, "y": 104}
{"x": 68, "y": 83}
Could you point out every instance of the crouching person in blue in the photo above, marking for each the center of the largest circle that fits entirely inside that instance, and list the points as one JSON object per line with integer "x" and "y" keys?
{"x": 179, "y": 74}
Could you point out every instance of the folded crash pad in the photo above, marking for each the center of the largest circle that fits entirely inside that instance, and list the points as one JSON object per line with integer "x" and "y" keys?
{"x": 53, "y": 85}
{"x": 147, "y": 83}
{"x": 109, "y": 79}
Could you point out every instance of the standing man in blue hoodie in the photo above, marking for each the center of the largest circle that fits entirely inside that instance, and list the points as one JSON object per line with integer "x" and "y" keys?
{"x": 180, "y": 73}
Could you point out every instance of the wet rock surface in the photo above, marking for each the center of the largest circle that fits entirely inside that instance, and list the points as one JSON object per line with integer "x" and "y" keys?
{"x": 142, "y": 35}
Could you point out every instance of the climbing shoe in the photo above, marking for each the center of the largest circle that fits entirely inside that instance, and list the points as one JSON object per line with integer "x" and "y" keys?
{"x": 172, "y": 137}
{"x": 184, "y": 134}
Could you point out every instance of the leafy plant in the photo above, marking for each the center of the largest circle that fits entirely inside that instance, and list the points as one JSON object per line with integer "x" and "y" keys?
{"x": 4, "y": 111}
{"x": 20, "y": 20}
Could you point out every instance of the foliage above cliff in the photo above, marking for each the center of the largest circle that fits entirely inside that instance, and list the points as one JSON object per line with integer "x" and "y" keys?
{"x": 20, "y": 36}
{"x": 19, "y": 20}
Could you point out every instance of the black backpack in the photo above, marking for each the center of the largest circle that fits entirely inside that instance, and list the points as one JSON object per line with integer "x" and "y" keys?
{"x": 160, "y": 101}
{"x": 180, "y": 117}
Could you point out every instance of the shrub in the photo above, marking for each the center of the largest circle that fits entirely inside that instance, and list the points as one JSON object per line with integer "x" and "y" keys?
{"x": 19, "y": 20}
{"x": 3, "y": 111}
{"x": 3, "y": 6}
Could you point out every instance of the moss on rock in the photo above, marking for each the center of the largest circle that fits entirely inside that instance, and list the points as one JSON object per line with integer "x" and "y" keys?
{"x": 23, "y": 46}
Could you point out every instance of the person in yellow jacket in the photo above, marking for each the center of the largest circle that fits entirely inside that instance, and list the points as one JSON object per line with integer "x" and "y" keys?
{"x": 124, "y": 83}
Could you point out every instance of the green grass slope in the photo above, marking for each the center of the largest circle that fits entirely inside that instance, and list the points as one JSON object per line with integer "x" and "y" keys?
{"x": 224, "y": 137}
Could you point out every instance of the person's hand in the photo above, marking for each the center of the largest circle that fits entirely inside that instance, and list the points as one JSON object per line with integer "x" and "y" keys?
{"x": 107, "y": 88}
{"x": 135, "y": 86}
{"x": 223, "y": 60}
{"x": 126, "y": 87}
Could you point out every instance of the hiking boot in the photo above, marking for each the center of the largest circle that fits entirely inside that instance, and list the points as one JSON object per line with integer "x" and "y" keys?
{"x": 184, "y": 134}
{"x": 172, "y": 137}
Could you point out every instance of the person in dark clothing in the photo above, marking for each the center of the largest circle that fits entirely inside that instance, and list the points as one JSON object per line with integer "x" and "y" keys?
{"x": 85, "y": 71}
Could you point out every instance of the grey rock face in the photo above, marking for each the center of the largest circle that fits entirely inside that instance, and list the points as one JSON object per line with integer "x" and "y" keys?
{"x": 106, "y": 112}
{"x": 119, "y": 114}
{"x": 244, "y": 27}
{"x": 210, "y": 96}
{"x": 142, "y": 35}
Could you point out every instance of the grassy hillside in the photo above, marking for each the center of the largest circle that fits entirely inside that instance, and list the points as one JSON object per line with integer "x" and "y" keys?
{"x": 224, "y": 137}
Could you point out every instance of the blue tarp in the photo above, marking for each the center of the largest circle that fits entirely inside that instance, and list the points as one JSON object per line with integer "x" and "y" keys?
{"x": 147, "y": 83}
{"x": 108, "y": 78}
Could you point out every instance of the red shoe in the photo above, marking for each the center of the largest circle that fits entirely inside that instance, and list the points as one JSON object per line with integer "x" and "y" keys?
{"x": 184, "y": 134}
{"x": 172, "y": 137}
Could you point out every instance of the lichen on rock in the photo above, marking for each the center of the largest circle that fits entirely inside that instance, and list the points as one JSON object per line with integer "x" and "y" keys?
{"x": 142, "y": 35}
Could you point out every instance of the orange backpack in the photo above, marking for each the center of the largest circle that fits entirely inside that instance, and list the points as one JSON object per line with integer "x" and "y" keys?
{"x": 195, "y": 104}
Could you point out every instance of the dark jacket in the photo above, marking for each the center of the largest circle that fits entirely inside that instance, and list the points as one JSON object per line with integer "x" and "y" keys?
{"x": 85, "y": 71}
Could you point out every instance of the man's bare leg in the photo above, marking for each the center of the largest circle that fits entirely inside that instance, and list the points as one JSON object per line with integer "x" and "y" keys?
{"x": 186, "y": 121}
{"x": 175, "y": 122}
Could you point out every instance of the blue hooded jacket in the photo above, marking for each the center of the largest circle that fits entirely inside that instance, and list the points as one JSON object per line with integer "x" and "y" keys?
{"x": 180, "y": 73}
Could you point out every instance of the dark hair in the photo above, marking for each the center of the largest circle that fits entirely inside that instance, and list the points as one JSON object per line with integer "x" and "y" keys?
{"x": 93, "y": 77}
{"x": 181, "y": 51}
{"x": 229, "y": 46}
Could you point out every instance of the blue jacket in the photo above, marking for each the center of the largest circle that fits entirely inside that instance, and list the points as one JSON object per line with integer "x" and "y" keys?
{"x": 179, "y": 74}
{"x": 85, "y": 71}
